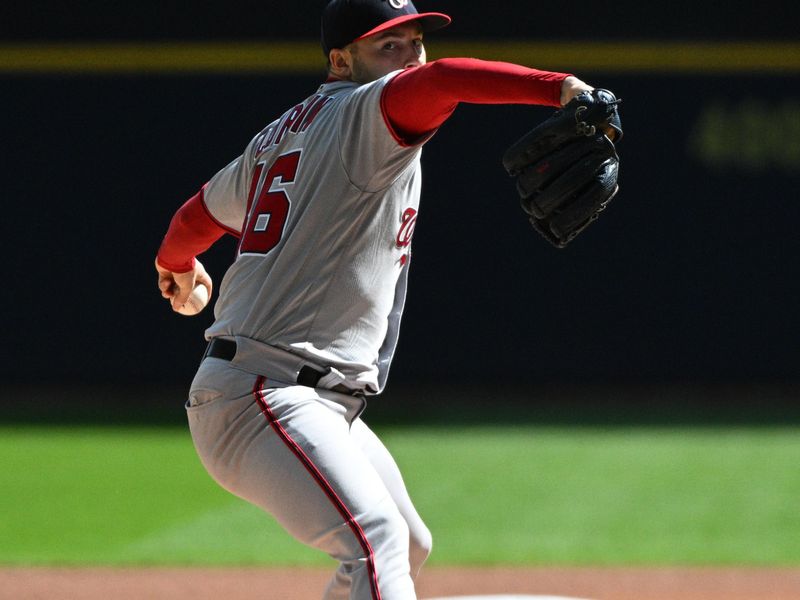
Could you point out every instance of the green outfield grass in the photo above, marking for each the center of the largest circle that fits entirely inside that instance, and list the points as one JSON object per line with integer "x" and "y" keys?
{"x": 512, "y": 495}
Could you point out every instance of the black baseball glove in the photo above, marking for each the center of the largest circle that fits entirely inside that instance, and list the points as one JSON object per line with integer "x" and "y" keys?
{"x": 566, "y": 167}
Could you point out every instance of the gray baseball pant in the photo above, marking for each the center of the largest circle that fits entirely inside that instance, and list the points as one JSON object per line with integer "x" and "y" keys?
{"x": 305, "y": 457}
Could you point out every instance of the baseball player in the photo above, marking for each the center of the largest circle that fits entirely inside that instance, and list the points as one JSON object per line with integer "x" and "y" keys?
{"x": 324, "y": 201}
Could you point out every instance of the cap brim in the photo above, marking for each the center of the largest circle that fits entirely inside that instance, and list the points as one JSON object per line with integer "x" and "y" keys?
{"x": 429, "y": 22}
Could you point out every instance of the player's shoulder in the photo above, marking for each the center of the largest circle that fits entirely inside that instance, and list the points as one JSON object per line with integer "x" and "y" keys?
{"x": 347, "y": 89}
{"x": 353, "y": 98}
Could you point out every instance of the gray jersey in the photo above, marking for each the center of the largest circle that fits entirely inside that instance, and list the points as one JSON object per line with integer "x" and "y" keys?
{"x": 325, "y": 200}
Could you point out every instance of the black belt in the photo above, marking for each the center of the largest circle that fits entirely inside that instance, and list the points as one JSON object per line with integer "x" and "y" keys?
{"x": 308, "y": 375}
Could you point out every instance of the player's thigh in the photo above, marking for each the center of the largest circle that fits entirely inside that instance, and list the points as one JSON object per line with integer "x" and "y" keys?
{"x": 319, "y": 476}
{"x": 385, "y": 465}
{"x": 291, "y": 452}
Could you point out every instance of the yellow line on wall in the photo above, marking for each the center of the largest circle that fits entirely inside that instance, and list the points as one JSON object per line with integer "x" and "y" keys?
{"x": 162, "y": 58}
{"x": 306, "y": 57}
{"x": 642, "y": 57}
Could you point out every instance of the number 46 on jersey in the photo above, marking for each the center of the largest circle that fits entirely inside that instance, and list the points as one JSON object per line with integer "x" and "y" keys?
{"x": 268, "y": 205}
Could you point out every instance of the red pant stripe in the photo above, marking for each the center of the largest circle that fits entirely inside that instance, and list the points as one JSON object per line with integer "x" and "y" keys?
{"x": 327, "y": 488}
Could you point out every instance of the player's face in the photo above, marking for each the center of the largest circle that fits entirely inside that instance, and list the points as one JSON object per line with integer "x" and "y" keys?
{"x": 398, "y": 48}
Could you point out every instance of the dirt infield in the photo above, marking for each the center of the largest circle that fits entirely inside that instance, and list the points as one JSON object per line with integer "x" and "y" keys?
{"x": 305, "y": 584}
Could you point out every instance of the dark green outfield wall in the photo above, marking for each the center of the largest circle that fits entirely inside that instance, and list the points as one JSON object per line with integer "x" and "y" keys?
{"x": 691, "y": 274}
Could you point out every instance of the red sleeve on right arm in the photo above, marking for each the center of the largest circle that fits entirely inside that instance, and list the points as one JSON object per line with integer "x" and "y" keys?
{"x": 192, "y": 231}
{"x": 418, "y": 100}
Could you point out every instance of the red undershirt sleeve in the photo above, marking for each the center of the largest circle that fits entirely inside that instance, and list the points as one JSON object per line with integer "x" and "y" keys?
{"x": 418, "y": 100}
{"x": 192, "y": 231}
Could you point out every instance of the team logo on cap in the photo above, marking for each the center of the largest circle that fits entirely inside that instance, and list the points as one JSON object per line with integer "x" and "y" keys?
{"x": 398, "y": 4}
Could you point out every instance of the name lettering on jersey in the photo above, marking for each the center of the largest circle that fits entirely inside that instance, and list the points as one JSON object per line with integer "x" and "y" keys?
{"x": 295, "y": 120}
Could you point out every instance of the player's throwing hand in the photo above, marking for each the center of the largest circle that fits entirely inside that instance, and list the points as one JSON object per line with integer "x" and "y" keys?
{"x": 176, "y": 287}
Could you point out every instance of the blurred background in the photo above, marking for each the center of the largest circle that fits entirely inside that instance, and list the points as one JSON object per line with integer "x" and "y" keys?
{"x": 682, "y": 296}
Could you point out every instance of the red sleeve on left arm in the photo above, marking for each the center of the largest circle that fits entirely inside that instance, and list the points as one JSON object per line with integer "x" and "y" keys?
{"x": 192, "y": 231}
{"x": 418, "y": 100}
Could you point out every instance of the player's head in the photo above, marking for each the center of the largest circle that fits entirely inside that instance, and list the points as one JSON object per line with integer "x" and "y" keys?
{"x": 354, "y": 33}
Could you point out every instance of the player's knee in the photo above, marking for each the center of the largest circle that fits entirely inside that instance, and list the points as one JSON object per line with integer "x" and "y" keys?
{"x": 386, "y": 531}
{"x": 420, "y": 546}
{"x": 393, "y": 530}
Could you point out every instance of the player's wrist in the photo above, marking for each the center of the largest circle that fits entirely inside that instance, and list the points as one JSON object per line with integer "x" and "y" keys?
{"x": 177, "y": 267}
{"x": 571, "y": 87}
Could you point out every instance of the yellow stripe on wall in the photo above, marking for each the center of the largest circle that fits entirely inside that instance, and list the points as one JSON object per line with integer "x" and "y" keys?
{"x": 686, "y": 57}
{"x": 291, "y": 57}
{"x": 306, "y": 57}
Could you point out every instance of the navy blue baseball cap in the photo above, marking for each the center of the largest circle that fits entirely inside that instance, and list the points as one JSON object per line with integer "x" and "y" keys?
{"x": 347, "y": 21}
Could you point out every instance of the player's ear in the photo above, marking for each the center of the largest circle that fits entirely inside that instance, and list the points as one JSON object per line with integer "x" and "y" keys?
{"x": 340, "y": 61}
